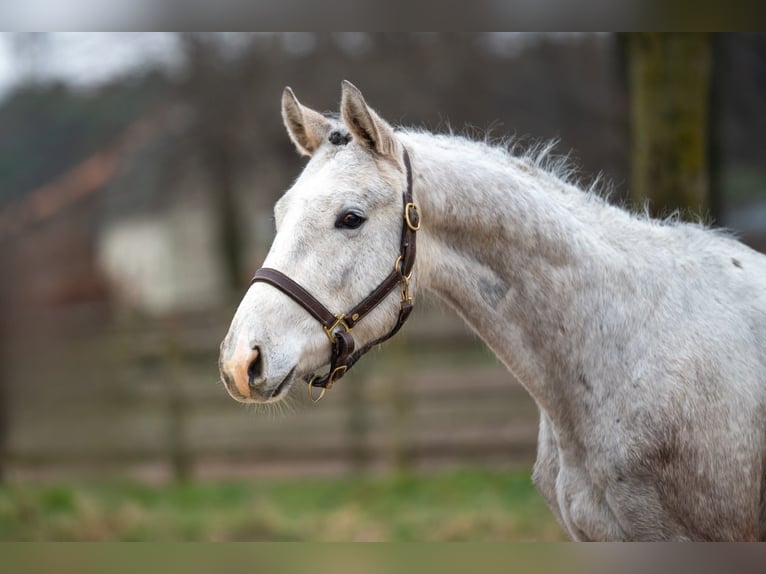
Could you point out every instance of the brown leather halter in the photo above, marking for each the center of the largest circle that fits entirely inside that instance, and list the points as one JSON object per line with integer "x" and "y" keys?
{"x": 338, "y": 327}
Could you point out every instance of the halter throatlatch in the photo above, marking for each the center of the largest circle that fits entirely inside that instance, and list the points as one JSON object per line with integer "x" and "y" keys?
{"x": 338, "y": 327}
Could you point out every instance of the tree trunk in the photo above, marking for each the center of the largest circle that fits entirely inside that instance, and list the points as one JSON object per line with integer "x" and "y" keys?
{"x": 4, "y": 408}
{"x": 219, "y": 160}
{"x": 670, "y": 82}
{"x": 214, "y": 93}
{"x": 178, "y": 453}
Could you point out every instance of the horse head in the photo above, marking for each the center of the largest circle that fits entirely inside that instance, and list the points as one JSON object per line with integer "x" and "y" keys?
{"x": 336, "y": 278}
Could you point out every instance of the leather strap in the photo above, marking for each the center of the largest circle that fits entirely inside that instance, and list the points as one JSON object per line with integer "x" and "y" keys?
{"x": 343, "y": 355}
{"x": 373, "y": 299}
{"x": 296, "y": 292}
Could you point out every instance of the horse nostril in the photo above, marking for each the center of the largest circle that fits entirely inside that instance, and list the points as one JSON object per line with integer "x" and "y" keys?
{"x": 254, "y": 369}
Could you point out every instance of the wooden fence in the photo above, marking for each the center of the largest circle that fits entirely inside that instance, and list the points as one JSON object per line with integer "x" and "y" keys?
{"x": 145, "y": 402}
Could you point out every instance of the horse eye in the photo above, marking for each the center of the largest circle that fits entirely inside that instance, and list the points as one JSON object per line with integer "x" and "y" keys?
{"x": 349, "y": 220}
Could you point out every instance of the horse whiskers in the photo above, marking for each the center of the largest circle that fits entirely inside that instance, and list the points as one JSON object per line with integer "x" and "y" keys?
{"x": 284, "y": 407}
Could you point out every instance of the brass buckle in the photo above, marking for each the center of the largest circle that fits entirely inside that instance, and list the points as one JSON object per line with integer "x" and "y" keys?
{"x": 407, "y": 208}
{"x": 339, "y": 322}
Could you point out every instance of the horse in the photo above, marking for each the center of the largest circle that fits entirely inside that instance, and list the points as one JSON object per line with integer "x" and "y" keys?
{"x": 642, "y": 341}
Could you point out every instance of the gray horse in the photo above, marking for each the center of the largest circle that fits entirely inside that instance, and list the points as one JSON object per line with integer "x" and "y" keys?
{"x": 643, "y": 342}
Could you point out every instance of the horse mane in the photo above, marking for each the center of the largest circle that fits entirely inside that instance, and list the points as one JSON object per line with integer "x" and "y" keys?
{"x": 542, "y": 157}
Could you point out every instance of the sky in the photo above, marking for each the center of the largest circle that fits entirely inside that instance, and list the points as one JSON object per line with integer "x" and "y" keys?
{"x": 83, "y": 60}
{"x": 7, "y": 67}
{"x": 89, "y": 59}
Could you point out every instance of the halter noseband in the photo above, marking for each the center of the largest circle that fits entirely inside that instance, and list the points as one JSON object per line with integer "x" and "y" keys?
{"x": 338, "y": 327}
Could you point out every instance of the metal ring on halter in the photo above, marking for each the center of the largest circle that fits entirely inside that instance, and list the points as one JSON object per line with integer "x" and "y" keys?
{"x": 405, "y": 280}
{"x": 337, "y": 373}
{"x": 399, "y": 270}
{"x": 311, "y": 389}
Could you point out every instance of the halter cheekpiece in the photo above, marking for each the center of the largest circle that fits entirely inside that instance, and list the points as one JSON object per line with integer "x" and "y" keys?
{"x": 338, "y": 327}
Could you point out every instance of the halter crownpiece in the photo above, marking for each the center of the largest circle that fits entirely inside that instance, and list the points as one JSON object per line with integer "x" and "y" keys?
{"x": 338, "y": 327}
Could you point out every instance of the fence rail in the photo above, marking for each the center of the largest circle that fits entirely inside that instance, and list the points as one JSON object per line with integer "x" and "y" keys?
{"x": 146, "y": 402}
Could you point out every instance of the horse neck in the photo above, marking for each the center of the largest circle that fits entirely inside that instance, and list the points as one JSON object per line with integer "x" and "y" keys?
{"x": 510, "y": 247}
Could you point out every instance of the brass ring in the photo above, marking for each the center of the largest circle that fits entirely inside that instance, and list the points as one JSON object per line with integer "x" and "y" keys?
{"x": 311, "y": 392}
{"x": 396, "y": 265}
{"x": 336, "y": 374}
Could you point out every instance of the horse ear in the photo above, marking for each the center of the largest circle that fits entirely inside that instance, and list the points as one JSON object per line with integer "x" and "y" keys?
{"x": 306, "y": 127}
{"x": 364, "y": 124}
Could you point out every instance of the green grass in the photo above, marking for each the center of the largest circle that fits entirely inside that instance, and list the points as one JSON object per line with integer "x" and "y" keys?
{"x": 460, "y": 505}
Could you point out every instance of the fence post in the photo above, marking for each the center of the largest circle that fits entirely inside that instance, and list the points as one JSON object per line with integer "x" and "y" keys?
{"x": 4, "y": 408}
{"x": 179, "y": 456}
{"x": 398, "y": 377}
{"x": 4, "y": 386}
{"x": 358, "y": 420}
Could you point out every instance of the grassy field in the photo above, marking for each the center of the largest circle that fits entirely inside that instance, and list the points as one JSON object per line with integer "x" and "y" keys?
{"x": 459, "y": 505}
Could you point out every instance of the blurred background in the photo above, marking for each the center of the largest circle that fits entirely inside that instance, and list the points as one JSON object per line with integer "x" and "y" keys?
{"x": 137, "y": 176}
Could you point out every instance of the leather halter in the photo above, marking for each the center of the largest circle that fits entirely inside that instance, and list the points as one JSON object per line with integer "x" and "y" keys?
{"x": 338, "y": 327}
